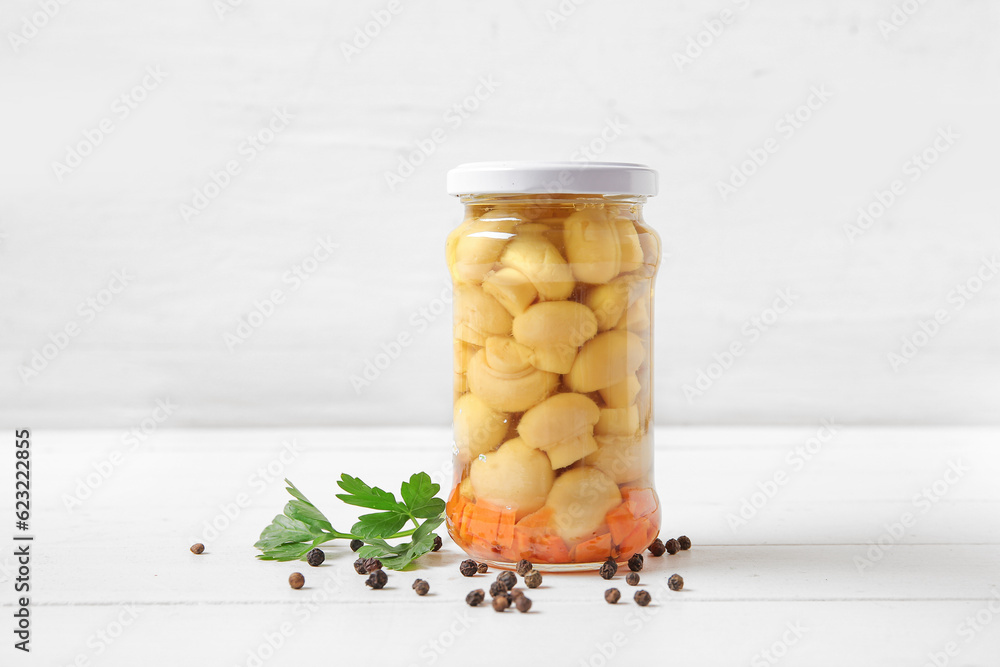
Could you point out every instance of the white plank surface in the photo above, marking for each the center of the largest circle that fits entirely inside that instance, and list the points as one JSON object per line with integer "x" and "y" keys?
{"x": 355, "y": 120}
{"x": 122, "y": 556}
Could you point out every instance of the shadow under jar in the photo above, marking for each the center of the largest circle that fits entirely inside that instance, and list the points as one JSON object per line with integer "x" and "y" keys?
{"x": 553, "y": 270}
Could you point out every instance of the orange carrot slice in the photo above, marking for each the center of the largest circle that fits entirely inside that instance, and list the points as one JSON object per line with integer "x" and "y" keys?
{"x": 505, "y": 528}
{"x": 636, "y": 540}
{"x": 641, "y": 501}
{"x": 549, "y": 549}
{"x": 620, "y": 522}
{"x": 454, "y": 508}
{"x": 529, "y": 528}
{"x": 593, "y": 550}
{"x": 463, "y": 526}
{"x": 654, "y": 526}
{"x": 483, "y": 524}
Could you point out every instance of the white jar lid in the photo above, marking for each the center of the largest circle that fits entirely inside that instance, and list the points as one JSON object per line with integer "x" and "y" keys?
{"x": 595, "y": 178}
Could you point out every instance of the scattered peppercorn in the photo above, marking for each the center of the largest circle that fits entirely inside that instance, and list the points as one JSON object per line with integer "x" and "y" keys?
{"x": 673, "y": 546}
{"x": 359, "y": 566}
{"x": 296, "y": 580}
{"x": 612, "y": 595}
{"x": 482, "y": 568}
{"x": 437, "y": 543}
{"x": 474, "y": 598}
{"x": 371, "y": 564}
{"x": 421, "y": 587}
{"x": 498, "y": 588}
{"x": 609, "y": 568}
{"x": 523, "y": 603}
{"x": 657, "y": 548}
{"x": 356, "y": 544}
{"x": 198, "y": 548}
{"x": 316, "y": 557}
{"x": 675, "y": 582}
{"x": 635, "y": 562}
{"x": 685, "y": 542}
{"x": 523, "y": 567}
{"x": 642, "y": 598}
{"x": 533, "y": 579}
{"x": 468, "y": 567}
{"x": 508, "y": 579}
{"x": 500, "y": 603}
{"x": 377, "y": 579}
{"x": 632, "y": 578}
{"x": 516, "y": 593}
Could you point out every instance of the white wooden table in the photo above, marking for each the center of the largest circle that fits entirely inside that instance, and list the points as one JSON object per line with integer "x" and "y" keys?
{"x": 114, "y": 582}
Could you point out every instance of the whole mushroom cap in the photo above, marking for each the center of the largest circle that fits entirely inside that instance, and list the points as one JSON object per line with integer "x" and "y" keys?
{"x": 509, "y": 392}
{"x": 558, "y": 419}
{"x": 606, "y": 359}
{"x": 515, "y": 476}
{"x": 478, "y": 315}
{"x": 478, "y": 427}
{"x": 480, "y": 244}
{"x": 580, "y": 498}
{"x": 592, "y": 245}
{"x": 539, "y": 259}
{"x": 622, "y": 458}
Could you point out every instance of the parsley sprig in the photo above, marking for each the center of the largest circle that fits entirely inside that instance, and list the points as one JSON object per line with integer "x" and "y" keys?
{"x": 302, "y": 526}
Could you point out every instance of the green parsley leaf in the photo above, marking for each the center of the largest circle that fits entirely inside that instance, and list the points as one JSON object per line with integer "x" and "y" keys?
{"x": 302, "y": 527}
{"x": 419, "y": 495}
{"x": 382, "y": 524}
{"x": 362, "y": 495}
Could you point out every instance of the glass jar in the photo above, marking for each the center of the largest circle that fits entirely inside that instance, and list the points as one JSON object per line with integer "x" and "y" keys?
{"x": 553, "y": 270}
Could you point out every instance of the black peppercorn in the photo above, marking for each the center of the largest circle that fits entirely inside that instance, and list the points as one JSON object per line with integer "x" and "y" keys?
{"x": 632, "y": 578}
{"x": 482, "y": 568}
{"x": 673, "y": 546}
{"x": 468, "y": 567}
{"x": 656, "y": 548}
{"x": 612, "y": 595}
{"x": 371, "y": 564}
{"x": 635, "y": 562}
{"x": 356, "y": 544}
{"x": 498, "y": 588}
{"x": 533, "y": 579}
{"x": 522, "y": 603}
{"x": 359, "y": 566}
{"x": 198, "y": 548}
{"x": 508, "y": 579}
{"x": 437, "y": 543}
{"x": 642, "y": 598}
{"x": 377, "y": 579}
{"x": 296, "y": 580}
{"x": 516, "y": 593}
{"x": 523, "y": 567}
{"x": 500, "y": 603}
{"x": 474, "y": 598}
{"x": 421, "y": 587}
{"x": 685, "y": 542}
{"x": 609, "y": 568}
{"x": 675, "y": 582}
{"x": 316, "y": 557}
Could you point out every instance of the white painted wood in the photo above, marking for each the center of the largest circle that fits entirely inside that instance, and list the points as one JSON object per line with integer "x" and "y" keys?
{"x": 559, "y": 87}
{"x": 124, "y": 553}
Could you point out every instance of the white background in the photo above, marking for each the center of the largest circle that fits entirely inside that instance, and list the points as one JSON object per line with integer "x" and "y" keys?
{"x": 560, "y": 84}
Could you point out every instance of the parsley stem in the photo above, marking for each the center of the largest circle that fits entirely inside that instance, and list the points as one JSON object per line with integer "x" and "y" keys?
{"x": 337, "y": 535}
{"x": 404, "y": 533}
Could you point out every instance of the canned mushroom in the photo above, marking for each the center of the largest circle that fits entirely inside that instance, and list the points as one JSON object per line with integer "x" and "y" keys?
{"x": 553, "y": 270}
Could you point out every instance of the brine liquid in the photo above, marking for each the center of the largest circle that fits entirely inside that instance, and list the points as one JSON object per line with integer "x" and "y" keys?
{"x": 553, "y": 380}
